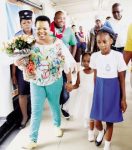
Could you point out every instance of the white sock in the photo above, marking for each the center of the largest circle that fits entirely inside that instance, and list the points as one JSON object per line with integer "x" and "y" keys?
{"x": 91, "y": 135}
{"x": 91, "y": 131}
{"x": 100, "y": 135}
{"x": 107, "y": 145}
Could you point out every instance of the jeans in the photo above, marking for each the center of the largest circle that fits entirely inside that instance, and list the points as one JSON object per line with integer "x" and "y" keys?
{"x": 38, "y": 97}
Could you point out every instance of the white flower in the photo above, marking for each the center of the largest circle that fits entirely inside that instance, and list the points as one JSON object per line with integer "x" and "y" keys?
{"x": 10, "y": 41}
{"x": 16, "y": 51}
{"x": 30, "y": 39}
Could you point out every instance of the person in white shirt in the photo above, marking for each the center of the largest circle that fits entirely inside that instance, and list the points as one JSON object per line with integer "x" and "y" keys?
{"x": 119, "y": 25}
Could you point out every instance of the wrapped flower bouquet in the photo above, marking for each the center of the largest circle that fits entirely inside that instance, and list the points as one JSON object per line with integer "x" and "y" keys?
{"x": 20, "y": 49}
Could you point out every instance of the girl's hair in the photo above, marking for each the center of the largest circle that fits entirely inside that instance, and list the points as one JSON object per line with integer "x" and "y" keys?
{"x": 108, "y": 30}
{"x": 73, "y": 25}
{"x": 86, "y": 53}
{"x": 42, "y": 18}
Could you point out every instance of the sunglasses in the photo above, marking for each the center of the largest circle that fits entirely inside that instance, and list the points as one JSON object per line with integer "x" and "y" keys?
{"x": 114, "y": 12}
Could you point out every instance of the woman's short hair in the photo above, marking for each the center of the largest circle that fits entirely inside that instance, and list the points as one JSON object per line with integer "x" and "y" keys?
{"x": 42, "y": 18}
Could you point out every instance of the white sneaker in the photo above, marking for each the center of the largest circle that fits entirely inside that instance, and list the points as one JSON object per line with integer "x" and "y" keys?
{"x": 30, "y": 145}
{"x": 91, "y": 135}
{"x": 107, "y": 145}
{"x": 107, "y": 148}
{"x": 58, "y": 131}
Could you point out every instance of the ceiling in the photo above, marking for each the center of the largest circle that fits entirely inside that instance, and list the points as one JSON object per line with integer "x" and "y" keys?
{"x": 81, "y": 6}
{"x": 81, "y": 11}
{"x": 84, "y": 10}
{"x": 73, "y": 7}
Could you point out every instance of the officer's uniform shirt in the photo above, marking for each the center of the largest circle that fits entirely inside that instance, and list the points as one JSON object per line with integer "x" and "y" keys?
{"x": 21, "y": 32}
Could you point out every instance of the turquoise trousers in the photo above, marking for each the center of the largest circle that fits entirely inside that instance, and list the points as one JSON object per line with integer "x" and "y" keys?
{"x": 38, "y": 96}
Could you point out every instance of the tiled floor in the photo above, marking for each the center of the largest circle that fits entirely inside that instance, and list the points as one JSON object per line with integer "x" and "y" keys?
{"x": 75, "y": 136}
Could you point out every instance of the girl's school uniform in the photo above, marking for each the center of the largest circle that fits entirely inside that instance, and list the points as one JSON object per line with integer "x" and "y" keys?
{"x": 107, "y": 96}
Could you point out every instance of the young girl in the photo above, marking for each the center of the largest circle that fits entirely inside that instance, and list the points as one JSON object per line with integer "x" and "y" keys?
{"x": 81, "y": 99}
{"x": 109, "y": 100}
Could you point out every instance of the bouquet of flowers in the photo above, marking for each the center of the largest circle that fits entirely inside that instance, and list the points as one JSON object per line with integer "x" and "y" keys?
{"x": 20, "y": 48}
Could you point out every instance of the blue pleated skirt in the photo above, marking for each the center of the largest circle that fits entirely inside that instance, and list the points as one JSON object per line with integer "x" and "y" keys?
{"x": 107, "y": 100}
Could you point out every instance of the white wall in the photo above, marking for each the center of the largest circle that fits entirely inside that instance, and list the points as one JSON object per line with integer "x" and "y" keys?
{"x": 6, "y": 105}
{"x": 48, "y": 9}
{"x": 3, "y": 23}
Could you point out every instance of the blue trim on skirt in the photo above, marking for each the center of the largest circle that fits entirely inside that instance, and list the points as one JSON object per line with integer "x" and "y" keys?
{"x": 107, "y": 100}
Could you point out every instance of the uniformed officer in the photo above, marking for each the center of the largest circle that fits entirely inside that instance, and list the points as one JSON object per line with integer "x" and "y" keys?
{"x": 17, "y": 75}
{"x": 26, "y": 23}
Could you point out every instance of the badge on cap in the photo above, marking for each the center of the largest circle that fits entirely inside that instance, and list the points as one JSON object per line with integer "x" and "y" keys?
{"x": 25, "y": 14}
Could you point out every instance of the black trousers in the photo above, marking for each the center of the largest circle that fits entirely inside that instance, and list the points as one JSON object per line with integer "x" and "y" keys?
{"x": 64, "y": 94}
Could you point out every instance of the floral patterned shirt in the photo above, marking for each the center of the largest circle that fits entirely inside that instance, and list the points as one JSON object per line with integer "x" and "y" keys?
{"x": 50, "y": 61}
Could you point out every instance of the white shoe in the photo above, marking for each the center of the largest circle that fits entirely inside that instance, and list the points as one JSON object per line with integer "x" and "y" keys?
{"x": 30, "y": 145}
{"x": 58, "y": 131}
{"x": 91, "y": 135}
{"x": 107, "y": 148}
{"x": 100, "y": 136}
{"x": 107, "y": 145}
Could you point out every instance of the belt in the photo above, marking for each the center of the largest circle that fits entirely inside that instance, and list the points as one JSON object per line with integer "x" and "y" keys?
{"x": 119, "y": 49}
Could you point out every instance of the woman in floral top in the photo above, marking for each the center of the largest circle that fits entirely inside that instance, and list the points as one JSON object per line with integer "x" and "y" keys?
{"x": 50, "y": 57}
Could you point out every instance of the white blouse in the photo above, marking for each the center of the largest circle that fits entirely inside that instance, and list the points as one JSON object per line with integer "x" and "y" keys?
{"x": 50, "y": 61}
{"x": 109, "y": 65}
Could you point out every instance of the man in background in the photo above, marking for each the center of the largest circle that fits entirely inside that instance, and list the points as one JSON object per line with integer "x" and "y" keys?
{"x": 59, "y": 29}
{"x": 93, "y": 32}
{"x": 119, "y": 25}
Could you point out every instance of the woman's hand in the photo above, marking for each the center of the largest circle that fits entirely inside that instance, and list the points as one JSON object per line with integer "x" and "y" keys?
{"x": 123, "y": 105}
{"x": 22, "y": 62}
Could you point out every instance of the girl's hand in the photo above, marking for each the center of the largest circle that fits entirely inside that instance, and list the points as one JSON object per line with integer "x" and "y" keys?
{"x": 68, "y": 87}
{"x": 123, "y": 105}
{"x": 75, "y": 86}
